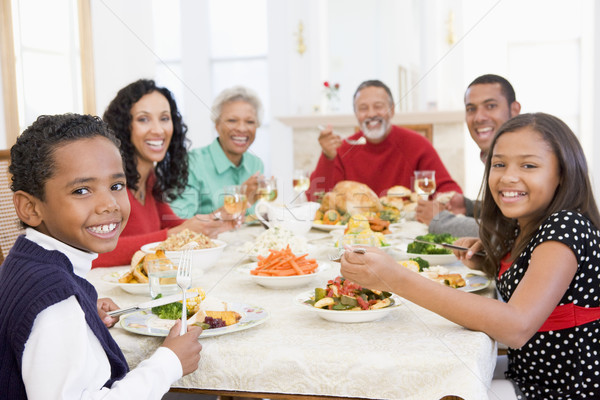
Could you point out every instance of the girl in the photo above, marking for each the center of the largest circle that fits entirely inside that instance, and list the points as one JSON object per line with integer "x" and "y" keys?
{"x": 69, "y": 192}
{"x": 152, "y": 133}
{"x": 540, "y": 232}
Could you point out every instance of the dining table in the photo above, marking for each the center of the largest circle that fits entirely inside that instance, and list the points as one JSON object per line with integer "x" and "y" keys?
{"x": 410, "y": 353}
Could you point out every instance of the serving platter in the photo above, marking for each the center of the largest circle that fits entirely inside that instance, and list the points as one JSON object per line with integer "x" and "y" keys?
{"x": 347, "y": 317}
{"x": 282, "y": 282}
{"x": 148, "y": 324}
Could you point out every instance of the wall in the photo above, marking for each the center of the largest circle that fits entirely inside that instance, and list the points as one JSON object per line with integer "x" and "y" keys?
{"x": 123, "y": 41}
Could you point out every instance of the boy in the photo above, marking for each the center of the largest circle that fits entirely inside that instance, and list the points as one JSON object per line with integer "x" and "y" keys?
{"x": 69, "y": 192}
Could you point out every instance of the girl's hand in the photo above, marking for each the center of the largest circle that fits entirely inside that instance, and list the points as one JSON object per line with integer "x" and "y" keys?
{"x": 468, "y": 257}
{"x": 105, "y": 305}
{"x": 374, "y": 270}
{"x": 186, "y": 347}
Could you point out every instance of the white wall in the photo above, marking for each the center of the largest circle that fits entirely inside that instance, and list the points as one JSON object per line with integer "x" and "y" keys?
{"x": 348, "y": 41}
{"x": 123, "y": 41}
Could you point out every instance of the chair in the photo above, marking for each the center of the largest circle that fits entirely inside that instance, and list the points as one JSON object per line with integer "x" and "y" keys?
{"x": 10, "y": 226}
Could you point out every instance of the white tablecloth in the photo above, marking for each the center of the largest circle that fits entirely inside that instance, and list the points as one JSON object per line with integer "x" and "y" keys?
{"x": 410, "y": 354}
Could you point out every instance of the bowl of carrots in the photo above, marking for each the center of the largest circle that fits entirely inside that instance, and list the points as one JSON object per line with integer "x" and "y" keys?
{"x": 282, "y": 269}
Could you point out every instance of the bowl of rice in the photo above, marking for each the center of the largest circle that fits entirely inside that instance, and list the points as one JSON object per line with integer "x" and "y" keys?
{"x": 204, "y": 256}
{"x": 276, "y": 238}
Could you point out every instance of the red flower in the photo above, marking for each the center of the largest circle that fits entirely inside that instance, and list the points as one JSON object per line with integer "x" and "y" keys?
{"x": 326, "y": 84}
{"x": 337, "y": 85}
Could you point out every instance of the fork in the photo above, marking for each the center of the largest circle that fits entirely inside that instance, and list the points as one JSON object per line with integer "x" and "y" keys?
{"x": 338, "y": 257}
{"x": 359, "y": 141}
{"x": 184, "y": 281}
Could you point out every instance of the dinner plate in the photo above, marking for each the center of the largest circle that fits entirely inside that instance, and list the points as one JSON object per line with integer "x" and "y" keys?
{"x": 325, "y": 227}
{"x": 434, "y": 259}
{"x": 146, "y": 323}
{"x": 348, "y": 317}
{"x": 282, "y": 282}
{"x": 475, "y": 282}
{"x": 133, "y": 288}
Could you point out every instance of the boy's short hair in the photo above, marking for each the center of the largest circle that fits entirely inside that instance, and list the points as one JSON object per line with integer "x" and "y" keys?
{"x": 31, "y": 157}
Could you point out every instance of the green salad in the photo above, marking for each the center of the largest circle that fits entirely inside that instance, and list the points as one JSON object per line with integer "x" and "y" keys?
{"x": 423, "y": 248}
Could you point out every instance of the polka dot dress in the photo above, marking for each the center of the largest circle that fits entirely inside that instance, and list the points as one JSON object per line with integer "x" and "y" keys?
{"x": 562, "y": 364}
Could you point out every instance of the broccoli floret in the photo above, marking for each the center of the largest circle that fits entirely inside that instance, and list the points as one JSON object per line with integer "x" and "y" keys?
{"x": 422, "y": 248}
{"x": 168, "y": 311}
{"x": 423, "y": 264}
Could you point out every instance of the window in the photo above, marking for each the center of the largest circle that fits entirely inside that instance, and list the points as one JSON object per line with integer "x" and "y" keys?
{"x": 52, "y": 72}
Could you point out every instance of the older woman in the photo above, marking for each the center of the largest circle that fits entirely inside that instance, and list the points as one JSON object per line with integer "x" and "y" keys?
{"x": 145, "y": 119}
{"x": 236, "y": 113}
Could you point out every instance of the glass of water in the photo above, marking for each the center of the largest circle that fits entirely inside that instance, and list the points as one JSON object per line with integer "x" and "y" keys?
{"x": 162, "y": 275}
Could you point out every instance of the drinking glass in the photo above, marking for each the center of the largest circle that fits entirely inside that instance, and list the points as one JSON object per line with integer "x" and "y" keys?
{"x": 234, "y": 200}
{"x": 425, "y": 183}
{"x": 162, "y": 275}
{"x": 267, "y": 188}
{"x": 301, "y": 181}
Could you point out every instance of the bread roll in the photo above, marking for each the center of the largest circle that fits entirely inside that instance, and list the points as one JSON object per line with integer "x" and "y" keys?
{"x": 399, "y": 191}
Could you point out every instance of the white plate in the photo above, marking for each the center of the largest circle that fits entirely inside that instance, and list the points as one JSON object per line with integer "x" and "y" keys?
{"x": 309, "y": 249}
{"x": 475, "y": 282}
{"x": 282, "y": 282}
{"x": 325, "y": 227}
{"x": 346, "y": 316}
{"x": 133, "y": 288}
{"x": 146, "y": 323}
{"x": 434, "y": 259}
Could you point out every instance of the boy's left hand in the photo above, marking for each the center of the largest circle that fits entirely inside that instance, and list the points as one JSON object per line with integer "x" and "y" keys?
{"x": 105, "y": 305}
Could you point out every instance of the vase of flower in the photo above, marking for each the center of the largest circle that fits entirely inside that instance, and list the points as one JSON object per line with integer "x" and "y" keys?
{"x": 332, "y": 96}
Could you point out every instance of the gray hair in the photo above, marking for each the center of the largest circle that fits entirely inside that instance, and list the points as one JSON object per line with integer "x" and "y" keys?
{"x": 237, "y": 93}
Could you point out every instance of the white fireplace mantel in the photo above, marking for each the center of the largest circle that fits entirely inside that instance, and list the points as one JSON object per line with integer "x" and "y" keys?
{"x": 448, "y": 135}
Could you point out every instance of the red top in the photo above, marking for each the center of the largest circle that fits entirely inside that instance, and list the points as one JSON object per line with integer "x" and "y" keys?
{"x": 383, "y": 165}
{"x": 147, "y": 223}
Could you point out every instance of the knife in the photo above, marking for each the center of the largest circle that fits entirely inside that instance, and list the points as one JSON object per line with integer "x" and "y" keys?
{"x": 446, "y": 245}
{"x": 153, "y": 303}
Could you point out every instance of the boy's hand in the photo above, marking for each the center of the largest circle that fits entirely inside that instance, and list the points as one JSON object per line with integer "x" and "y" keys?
{"x": 105, "y": 305}
{"x": 187, "y": 347}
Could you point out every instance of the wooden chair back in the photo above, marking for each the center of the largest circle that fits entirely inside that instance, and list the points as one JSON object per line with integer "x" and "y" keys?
{"x": 10, "y": 226}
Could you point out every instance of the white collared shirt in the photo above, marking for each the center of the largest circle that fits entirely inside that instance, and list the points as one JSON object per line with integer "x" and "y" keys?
{"x": 63, "y": 359}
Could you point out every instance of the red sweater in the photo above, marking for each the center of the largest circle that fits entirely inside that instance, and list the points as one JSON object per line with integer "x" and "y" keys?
{"x": 383, "y": 165}
{"x": 147, "y": 223}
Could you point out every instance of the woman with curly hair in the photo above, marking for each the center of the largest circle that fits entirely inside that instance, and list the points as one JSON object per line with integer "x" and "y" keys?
{"x": 153, "y": 142}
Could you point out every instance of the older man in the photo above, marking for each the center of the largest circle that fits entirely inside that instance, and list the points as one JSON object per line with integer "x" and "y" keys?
{"x": 387, "y": 156}
{"x": 489, "y": 102}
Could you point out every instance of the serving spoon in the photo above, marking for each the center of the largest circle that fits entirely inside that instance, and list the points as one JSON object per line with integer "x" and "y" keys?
{"x": 338, "y": 257}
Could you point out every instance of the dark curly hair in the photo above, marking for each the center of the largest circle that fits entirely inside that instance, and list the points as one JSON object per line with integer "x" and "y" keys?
{"x": 574, "y": 192}
{"x": 32, "y": 160}
{"x": 172, "y": 172}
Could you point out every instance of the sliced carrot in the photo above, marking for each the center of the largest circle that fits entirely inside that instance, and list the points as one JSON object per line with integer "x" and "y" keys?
{"x": 284, "y": 263}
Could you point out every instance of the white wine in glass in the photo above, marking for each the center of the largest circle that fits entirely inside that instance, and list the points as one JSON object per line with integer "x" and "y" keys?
{"x": 425, "y": 183}
{"x": 234, "y": 200}
{"x": 267, "y": 189}
{"x": 301, "y": 181}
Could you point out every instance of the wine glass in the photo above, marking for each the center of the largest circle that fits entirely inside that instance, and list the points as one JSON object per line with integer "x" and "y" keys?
{"x": 267, "y": 188}
{"x": 301, "y": 181}
{"x": 425, "y": 183}
{"x": 234, "y": 200}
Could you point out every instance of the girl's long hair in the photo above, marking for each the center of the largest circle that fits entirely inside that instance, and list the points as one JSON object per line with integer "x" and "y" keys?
{"x": 574, "y": 192}
{"x": 172, "y": 171}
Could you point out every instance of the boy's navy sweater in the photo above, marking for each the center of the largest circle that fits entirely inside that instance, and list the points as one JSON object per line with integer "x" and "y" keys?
{"x": 31, "y": 280}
